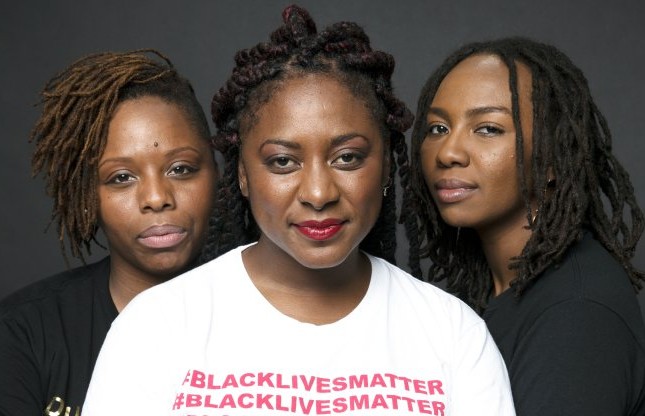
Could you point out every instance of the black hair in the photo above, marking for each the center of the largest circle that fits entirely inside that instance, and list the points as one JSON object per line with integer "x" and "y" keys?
{"x": 343, "y": 52}
{"x": 71, "y": 132}
{"x": 571, "y": 142}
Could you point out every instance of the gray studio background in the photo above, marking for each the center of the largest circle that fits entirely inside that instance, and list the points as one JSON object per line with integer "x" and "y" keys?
{"x": 39, "y": 38}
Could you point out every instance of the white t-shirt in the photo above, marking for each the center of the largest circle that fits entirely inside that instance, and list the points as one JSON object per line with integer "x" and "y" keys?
{"x": 209, "y": 343}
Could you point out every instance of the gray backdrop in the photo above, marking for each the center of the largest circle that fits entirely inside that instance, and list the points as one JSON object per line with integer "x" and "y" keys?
{"x": 39, "y": 38}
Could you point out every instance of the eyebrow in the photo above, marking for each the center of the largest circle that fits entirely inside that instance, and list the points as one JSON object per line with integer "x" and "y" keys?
{"x": 280, "y": 142}
{"x": 471, "y": 112}
{"x": 171, "y": 153}
{"x": 336, "y": 141}
{"x": 345, "y": 138}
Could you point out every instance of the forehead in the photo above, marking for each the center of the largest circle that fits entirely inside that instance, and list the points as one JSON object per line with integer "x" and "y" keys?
{"x": 309, "y": 104}
{"x": 137, "y": 122}
{"x": 483, "y": 80}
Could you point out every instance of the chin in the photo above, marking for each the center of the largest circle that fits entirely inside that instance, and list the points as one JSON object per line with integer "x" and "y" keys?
{"x": 459, "y": 222}
{"x": 169, "y": 267}
{"x": 323, "y": 258}
{"x": 454, "y": 218}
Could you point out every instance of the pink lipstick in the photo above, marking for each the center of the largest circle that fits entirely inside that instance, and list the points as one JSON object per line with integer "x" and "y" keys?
{"x": 320, "y": 230}
{"x": 453, "y": 190}
{"x": 162, "y": 236}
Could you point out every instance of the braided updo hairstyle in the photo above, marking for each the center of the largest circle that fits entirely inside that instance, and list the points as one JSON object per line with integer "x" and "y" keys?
{"x": 71, "y": 132}
{"x": 295, "y": 49}
{"x": 571, "y": 142}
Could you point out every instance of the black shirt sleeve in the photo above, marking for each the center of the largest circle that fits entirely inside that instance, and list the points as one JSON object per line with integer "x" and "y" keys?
{"x": 50, "y": 335}
{"x": 20, "y": 381}
{"x": 578, "y": 358}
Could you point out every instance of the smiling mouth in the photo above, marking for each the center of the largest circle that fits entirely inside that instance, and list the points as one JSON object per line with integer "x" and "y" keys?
{"x": 320, "y": 230}
{"x": 162, "y": 236}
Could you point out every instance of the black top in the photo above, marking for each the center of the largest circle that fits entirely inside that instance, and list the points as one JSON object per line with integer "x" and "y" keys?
{"x": 50, "y": 335}
{"x": 574, "y": 342}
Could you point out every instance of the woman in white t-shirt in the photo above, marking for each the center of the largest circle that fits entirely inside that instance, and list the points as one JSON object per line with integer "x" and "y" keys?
{"x": 303, "y": 313}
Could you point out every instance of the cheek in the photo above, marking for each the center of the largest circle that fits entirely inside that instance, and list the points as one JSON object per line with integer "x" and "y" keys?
{"x": 427, "y": 156}
{"x": 366, "y": 190}
{"x": 196, "y": 196}
{"x": 116, "y": 208}
{"x": 270, "y": 194}
{"x": 501, "y": 167}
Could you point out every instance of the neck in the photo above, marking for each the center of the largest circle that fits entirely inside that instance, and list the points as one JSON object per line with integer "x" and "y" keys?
{"x": 318, "y": 296}
{"x": 500, "y": 246}
{"x": 126, "y": 283}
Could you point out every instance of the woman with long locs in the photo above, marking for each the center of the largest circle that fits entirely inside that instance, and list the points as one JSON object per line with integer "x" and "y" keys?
{"x": 527, "y": 215}
{"x": 125, "y": 149}
{"x": 302, "y": 313}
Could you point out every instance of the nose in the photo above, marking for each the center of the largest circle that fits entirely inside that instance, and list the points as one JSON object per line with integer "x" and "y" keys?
{"x": 452, "y": 150}
{"x": 318, "y": 187}
{"x": 156, "y": 194}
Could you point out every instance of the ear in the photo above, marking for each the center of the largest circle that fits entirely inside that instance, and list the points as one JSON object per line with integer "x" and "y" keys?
{"x": 242, "y": 179}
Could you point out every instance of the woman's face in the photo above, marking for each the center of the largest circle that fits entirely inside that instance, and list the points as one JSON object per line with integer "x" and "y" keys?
{"x": 312, "y": 165}
{"x": 156, "y": 185}
{"x": 469, "y": 152}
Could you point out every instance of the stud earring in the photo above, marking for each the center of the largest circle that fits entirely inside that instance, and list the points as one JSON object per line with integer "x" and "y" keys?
{"x": 387, "y": 186}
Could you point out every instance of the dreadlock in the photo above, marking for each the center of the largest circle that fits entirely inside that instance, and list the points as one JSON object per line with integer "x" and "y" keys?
{"x": 571, "y": 141}
{"x": 71, "y": 133}
{"x": 295, "y": 49}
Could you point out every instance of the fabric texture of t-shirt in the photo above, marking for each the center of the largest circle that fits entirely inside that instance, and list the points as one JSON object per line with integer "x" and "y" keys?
{"x": 208, "y": 343}
{"x": 50, "y": 335}
{"x": 574, "y": 342}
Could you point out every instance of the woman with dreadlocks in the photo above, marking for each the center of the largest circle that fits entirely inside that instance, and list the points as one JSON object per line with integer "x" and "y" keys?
{"x": 305, "y": 317}
{"x": 528, "y": 216}
{"x": 125, "y": 148}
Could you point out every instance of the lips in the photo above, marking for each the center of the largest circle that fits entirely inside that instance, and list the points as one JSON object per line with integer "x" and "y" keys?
{"x": 453, "y": 190}
{"x": 320, "y": 230}
{"x": 162, "y": 236}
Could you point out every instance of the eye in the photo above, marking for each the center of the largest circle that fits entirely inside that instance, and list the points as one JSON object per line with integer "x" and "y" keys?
{"x": 181, "y": 170}
{"x": 120, "y": 178}
{"x": 489, "y": 130}
{"x": 437, "y": 130}
{"x": 349, "y": 160}
{"x": 281, "y": 164}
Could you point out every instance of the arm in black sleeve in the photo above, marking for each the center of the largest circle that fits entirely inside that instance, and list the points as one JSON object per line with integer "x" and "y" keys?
{"x": 578, "y": 358}
{"x": 20, "y": 381}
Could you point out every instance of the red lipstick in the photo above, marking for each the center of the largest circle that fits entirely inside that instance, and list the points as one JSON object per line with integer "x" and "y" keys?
{"x": 162, "y": 236}
{"x": 320, "y": 230}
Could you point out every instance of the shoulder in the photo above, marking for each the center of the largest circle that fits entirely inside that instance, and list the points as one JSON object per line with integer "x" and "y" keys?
{"x": 70, "y": 284}
{"x": 590, "y": 277}
{"x": 583, "y": 300}
{"x": 587, "y": 270}
{"x": 570, "y": 343}
{"x": 184, "y": 293}
{"x": 439, "y": 307}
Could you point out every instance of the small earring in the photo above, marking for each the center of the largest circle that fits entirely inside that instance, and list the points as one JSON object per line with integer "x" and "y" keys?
{"x": 387, "y": 186}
